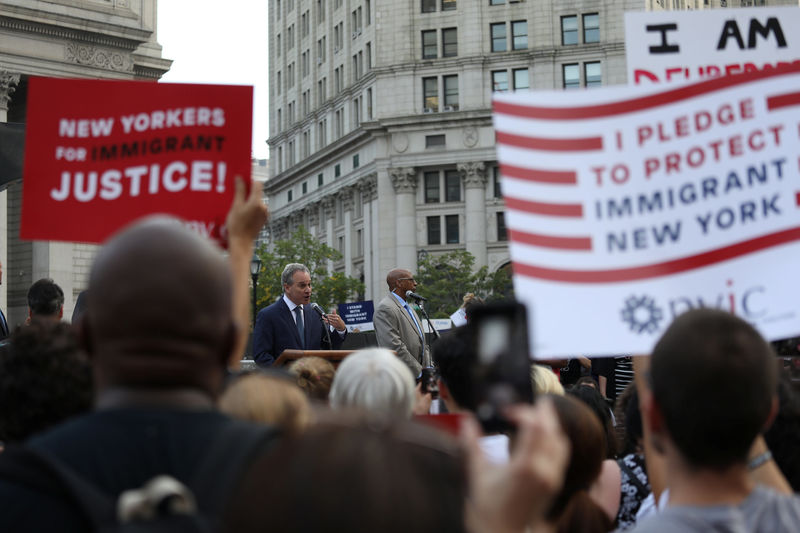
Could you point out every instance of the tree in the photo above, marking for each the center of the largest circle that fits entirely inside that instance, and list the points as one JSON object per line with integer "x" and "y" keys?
{"x": 446, "y": 278}
{"x": 328, "y": 288}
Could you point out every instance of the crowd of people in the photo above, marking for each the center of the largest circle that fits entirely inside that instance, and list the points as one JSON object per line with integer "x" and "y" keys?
{"x": 137, "y": 416}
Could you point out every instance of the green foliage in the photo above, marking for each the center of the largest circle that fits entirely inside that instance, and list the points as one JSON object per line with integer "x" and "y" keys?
{"x": 445, "y": 279}
{"x": 328, "y": 288}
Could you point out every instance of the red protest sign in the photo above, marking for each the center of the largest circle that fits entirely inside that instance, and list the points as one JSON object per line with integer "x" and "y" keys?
{"x": 100, "y": 154}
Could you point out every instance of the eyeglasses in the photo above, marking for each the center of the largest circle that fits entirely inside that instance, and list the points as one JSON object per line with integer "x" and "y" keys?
{"x": 407, "y": 279}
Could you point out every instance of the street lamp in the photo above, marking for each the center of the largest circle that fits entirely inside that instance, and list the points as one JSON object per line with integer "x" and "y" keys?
{"x": 255, "y": 268}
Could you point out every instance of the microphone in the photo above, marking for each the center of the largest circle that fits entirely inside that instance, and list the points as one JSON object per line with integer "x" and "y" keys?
{"x": 417, "y": 297}
{"x": 315, "y": 306}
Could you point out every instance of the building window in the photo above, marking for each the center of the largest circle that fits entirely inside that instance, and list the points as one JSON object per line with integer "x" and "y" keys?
{"x": 356, "y": 112}
{"x": 434, "y": 141}
{"x": 305, "y": 187}
{"x": 279, "y": 120}
{"x": 278, "y": 45}
{"x": 591, "y": 28}
{"x": 429, "y": 47}
{"x": 450, "y": 93}
{"x": 321, "y": 10}
{"x": 337, "y": 170}
{"x": 448, "y": 5}
{"x": 355, "y": 161}
{"x": 434, "y": 230}
{"x": 572, "y": 76}
{"x": 280, "y": 158}
{"x": 592, "y": 74}
{"x": 496, "y": 182}
{"x": 569, "y": 30}
{"x": 289, "y": 195}
{"x": 449, "y": 42}
{"x": 451, "y": 228}
{"x": 496, "y": 2}
{"x": 519, "y": 35}
{"x": 431, "y": 188}
{"x": 498, "y": 32}
{"x": 279, "y": 82}
{"x": 428, "y": 6}
{"x": 319, "y": 180}
{"x": 369, "y": 104}
{"x": 502, "y": 233}
{"x": 452, "y": 186}
{"x": 430, "y": 93}
{"x": 368, "y": 12}
{"x": 369, "y": 56}
{"x": 499, "y": 80}
{"x": 338, "y": 117}
{"x": 521, "y": 80}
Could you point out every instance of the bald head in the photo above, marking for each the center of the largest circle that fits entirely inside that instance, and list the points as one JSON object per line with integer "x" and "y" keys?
{"x": 159, "y": 311}
{"x": 394, "y": 275}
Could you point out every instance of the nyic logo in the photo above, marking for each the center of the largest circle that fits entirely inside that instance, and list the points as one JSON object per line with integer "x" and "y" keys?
{"x": 644, "y": 315}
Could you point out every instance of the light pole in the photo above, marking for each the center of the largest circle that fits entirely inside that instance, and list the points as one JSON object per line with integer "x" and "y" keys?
{"x": 255, "y": 268}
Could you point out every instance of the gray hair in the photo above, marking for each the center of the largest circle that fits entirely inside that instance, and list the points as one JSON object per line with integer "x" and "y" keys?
{"x": 287, "y": 277}
{"x": 374, "y": 380}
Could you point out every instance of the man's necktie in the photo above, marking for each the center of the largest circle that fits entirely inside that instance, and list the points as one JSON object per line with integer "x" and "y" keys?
{"x": 298, "y": 313}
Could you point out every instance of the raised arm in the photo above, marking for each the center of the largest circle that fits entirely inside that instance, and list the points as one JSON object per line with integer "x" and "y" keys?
{"x": 247, "y": 216}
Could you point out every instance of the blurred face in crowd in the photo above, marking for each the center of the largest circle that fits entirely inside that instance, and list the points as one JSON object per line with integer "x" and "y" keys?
{"x": 299, "y": 291}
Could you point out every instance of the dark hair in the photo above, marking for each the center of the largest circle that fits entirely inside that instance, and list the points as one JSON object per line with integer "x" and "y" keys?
{"x": 629, "y": 419}
{"x": 44, "y": 379}
{"x": 45, "y": 298}
{"x": 592, "y": 397}
{"x": 573, "y": 509}
{"x": 784, "y": 434}
{"x": 453, "y": 354}
{"x": 391, "y": 477}
{"x": 714, "y": 378}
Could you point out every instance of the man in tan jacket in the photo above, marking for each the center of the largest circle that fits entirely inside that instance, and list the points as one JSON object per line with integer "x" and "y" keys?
{"x": 397, "y": 325}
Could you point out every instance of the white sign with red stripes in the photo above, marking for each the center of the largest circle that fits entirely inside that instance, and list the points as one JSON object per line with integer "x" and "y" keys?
{"x": 668, "y": 46}
{"x": 627, "y": 206}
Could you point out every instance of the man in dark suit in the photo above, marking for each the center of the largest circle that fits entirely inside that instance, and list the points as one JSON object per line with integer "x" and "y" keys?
{"x": 290, "y": 323}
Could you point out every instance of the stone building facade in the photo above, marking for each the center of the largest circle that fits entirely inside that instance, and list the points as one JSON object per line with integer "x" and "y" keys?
{"x": 110, "y": 39}
{"x": 381, "y": 136}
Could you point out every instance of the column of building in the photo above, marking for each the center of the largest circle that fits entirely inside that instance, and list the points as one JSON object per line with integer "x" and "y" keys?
{"x": 369, "y": 192}
{"x": 346, "y": 197}
{"x": 313, "y": 218}
{"x": 473, "y": 174}
{"x": 404, "y": 181}
{"x": 8, "y": 84}
{"x": 328, "y": 212}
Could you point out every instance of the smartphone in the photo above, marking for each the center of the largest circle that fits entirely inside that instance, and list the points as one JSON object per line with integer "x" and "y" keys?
{"x": 501, "y": 368}
{"x": 429, "y": 378}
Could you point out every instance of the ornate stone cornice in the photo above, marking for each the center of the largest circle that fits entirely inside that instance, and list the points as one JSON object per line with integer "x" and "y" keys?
{"x": 279, "y": 229}
{"x": 404, "y": 179}
{"x": 69, "y": 34}
{"x": 8, "y": 84}
{"x": 368, "y": 185}
{"x": 328, "y": 204}
{"x": 98, "y": 57}
{"x": 473, "y": 174}
{"x": 346, "y": 196}
{"x": 313, "y": 214}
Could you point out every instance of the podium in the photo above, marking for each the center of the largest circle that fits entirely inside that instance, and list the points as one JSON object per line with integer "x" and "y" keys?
{"x": 334, "y": 356}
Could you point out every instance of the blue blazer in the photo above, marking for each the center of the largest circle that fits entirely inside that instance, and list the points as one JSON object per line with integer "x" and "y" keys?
{"x": 276, "y": 331}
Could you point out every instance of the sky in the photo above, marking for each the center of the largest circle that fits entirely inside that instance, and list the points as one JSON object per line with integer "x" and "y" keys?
{"x": 211, "y": 41}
